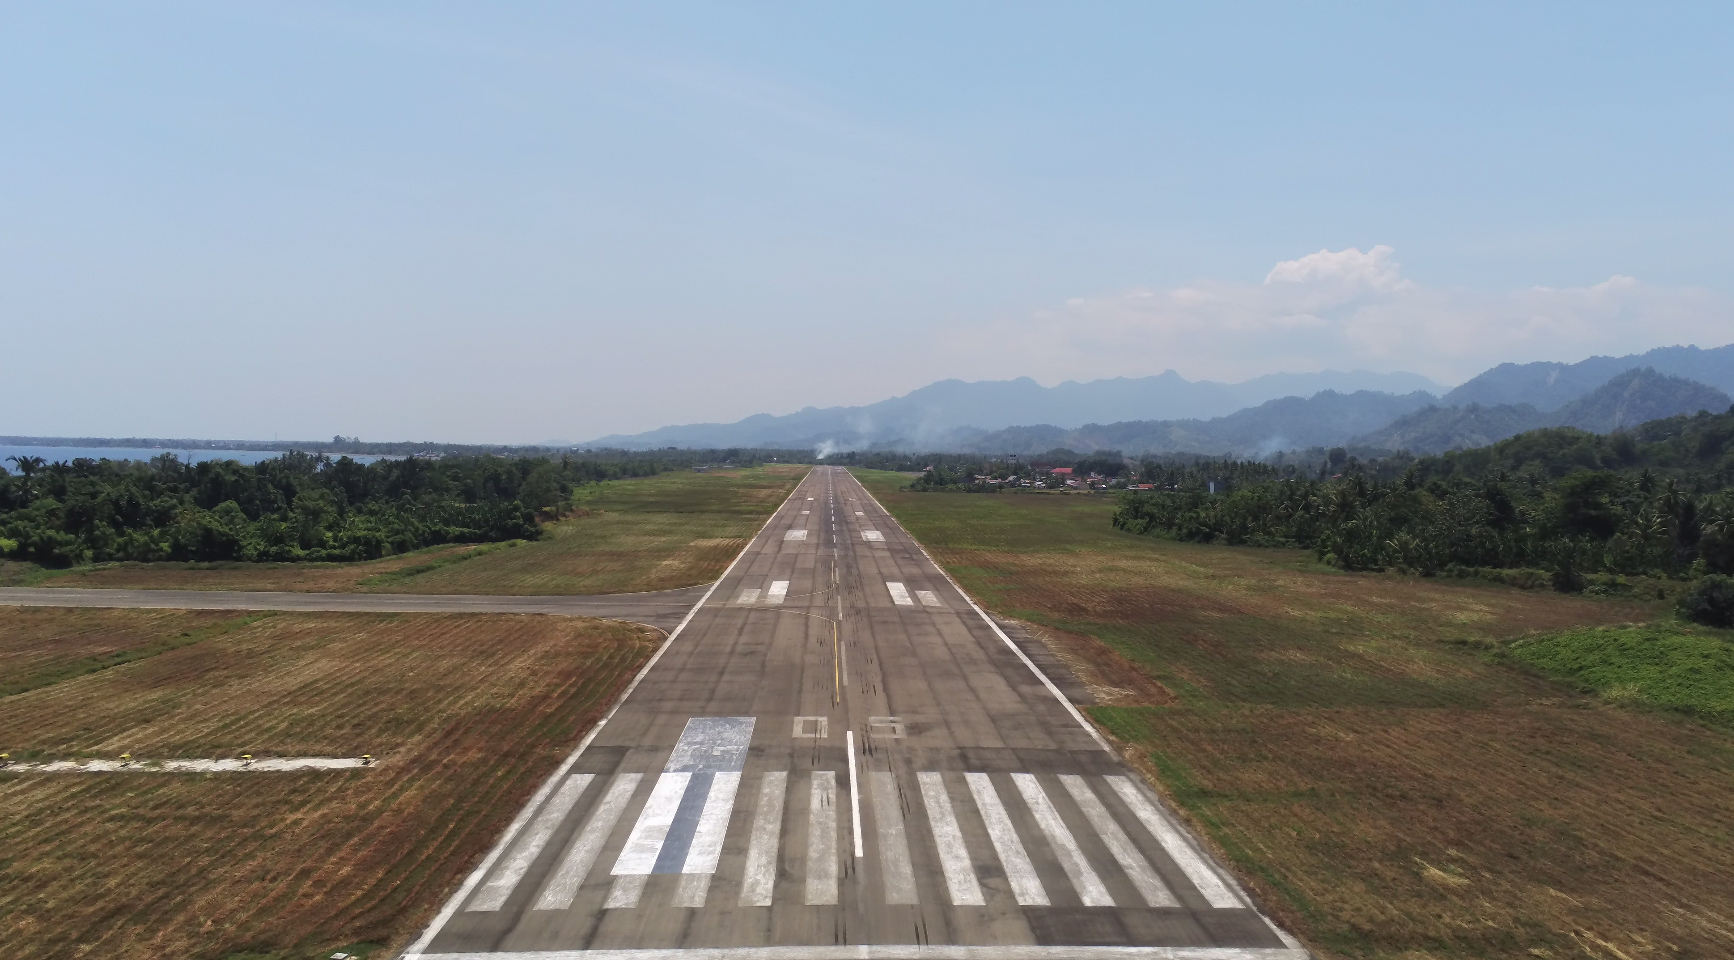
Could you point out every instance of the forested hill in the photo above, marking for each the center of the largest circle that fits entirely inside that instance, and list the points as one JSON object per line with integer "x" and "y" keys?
{"x": 1633, "y": 397}
{"x": 1655, "y": 500}
{"x": 1698, "y": 447}
{"x": 295, "y": 507}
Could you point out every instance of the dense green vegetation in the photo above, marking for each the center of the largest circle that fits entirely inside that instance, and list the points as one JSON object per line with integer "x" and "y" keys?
{"x": 1655, "y": 501}
{"x": 1684, "y": 669}
{"x": 295, "y": 507}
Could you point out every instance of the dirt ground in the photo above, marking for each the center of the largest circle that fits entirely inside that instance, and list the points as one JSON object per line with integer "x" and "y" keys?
{"x": 1387, "y": 787}
{"x": 465, "y": 713}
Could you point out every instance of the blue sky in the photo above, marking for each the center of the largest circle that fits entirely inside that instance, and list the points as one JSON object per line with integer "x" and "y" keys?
{"x": 527, "y": 222}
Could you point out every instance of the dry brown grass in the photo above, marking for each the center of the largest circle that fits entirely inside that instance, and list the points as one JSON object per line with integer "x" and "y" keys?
{"x": 1384, "y": 786}
{"x": 43, "y": 645}
{"x": 467, "y": 714}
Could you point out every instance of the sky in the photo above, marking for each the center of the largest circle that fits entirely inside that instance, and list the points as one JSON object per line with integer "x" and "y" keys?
{"x": 526, "y": 222}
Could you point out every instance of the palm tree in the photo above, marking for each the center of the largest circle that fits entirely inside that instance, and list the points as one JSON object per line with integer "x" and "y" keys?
{"x": 28, "y": 466}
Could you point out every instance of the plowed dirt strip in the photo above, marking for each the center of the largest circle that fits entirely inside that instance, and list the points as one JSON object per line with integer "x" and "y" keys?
{"x": 44, "y": 646}
{"x": 1384, "y": 789}
{"x": 468, "y": 713}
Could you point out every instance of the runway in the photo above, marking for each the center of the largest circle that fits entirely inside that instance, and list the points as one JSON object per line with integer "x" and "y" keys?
{"x": 837, "y": 755}
{"x": 663, "y": 609}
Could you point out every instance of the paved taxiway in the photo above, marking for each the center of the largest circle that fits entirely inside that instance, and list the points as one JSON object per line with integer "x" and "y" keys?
{"x": 836, "y": 755}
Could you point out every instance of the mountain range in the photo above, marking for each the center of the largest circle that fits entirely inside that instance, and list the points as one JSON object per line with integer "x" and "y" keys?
{"x": 1167, "y": 413}
{"x": 949, "y": 411}
{"x": 1630, "y": 398}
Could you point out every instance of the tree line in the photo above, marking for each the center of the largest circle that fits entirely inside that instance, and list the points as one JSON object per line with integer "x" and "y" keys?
{"x": 296, "y": 507}
{"x": 1658, "y": 501}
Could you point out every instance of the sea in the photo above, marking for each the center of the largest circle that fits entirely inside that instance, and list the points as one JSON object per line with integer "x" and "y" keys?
{"x": 68, "y": 454}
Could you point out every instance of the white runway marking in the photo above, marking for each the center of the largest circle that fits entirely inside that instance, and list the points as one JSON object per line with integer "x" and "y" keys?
{"x": 748, "y": 596}
{"x": 795, "y": 535}
{"x": 894, "y": 865}
{"x": 1026, "y": 886}
{"x": 626, "y": 891}
{"x": 806, "y": 513}
{"x": 1216, "y": 893}
{"x": 645, "y": 843}
{"x": 1065, "y": 846}
{"x": 692, "y": 889}
{"x": 809, "y": 498}
{"x": 854, "y": 793}
{"x": 859, "y": 514}
{"x": 713, "y": 822}
{"x": 1138, "y": 869}
{"x": 563, "y": 886}
{"x": 779, "y": 590}
{"x": 494, "y": 893}
{"x": 899, "y": 594}
{"x": 928, "y": 598}
{"x": 822, "y": 839}
{"x": 960, "y": 878}
{"x": 872, "y": 536}
{"x": 761, "y": 871}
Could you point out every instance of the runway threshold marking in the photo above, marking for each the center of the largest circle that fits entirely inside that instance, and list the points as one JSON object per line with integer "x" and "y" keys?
{"x": 954, "y": 862}
{"x": 1215, "y": 892}
{"x": 1124, "y": 851}
{"x": 563, "y": 886}
{"x": 494, "y": 893}
{"x": 760, "y": 877}
{"x": 1084, "y": 878}
{"x": 1019, "y": 871}
{"x": 895, "y": 868}
{"x": 822, "y": 839}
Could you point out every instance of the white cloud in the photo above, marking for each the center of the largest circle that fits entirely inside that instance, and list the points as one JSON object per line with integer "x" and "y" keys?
{"x": 1349, "y": 308}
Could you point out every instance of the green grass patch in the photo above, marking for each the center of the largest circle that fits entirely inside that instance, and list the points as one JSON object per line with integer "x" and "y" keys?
{"x": 398, "y": 576}
{"x": 71, "y": 669}
{"x": 1685, "y": 669}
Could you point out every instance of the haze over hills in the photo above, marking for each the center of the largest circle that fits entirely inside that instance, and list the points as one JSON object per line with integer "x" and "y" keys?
{"x": 949, "y": 411}
{"x": 1167, "y": 413}
{"x": 1628, "y": 399}
{"x": 1549, "y": 386}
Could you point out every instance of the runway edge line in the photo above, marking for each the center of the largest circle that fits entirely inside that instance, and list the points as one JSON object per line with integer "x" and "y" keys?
{"x": 416, "y": 949}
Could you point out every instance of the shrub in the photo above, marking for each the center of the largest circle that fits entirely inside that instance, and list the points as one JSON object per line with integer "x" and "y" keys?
{"x": 1709, "y": 601}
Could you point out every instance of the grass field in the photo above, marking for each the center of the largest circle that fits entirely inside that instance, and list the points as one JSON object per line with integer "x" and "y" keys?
{"x": 466, "y": 713}
{"x": 1367, "y": 750}
{"x": 627, "y": 536}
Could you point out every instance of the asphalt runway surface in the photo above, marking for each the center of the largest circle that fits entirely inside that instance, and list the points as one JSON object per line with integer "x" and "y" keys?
{"x": 663, "y": 609}
{"x": 837, "y": 755}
